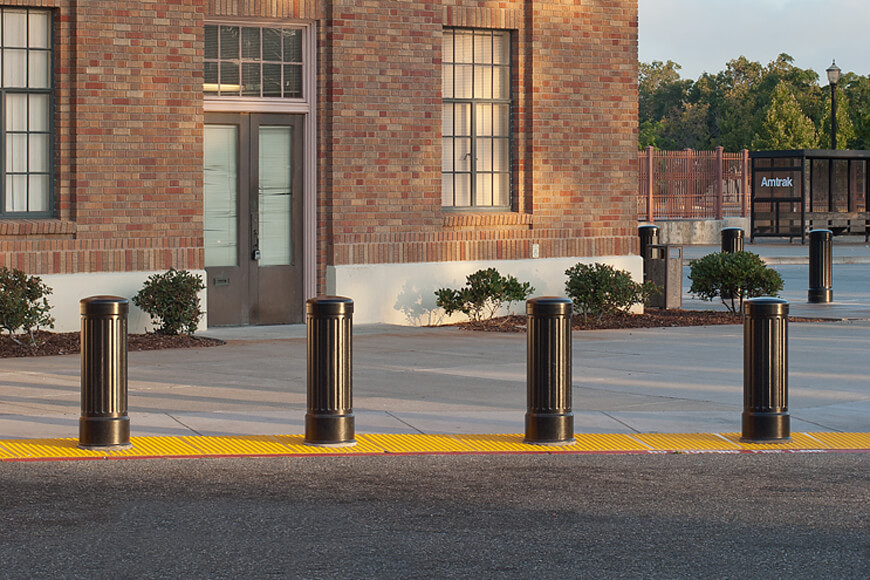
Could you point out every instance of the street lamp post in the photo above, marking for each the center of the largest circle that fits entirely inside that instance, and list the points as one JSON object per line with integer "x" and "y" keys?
{"x": 833, "y": 78}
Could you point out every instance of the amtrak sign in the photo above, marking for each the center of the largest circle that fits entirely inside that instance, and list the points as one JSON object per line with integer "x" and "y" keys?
{"x": 777, "y": 182}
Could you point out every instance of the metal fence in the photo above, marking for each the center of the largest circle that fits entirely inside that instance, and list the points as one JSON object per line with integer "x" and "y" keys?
{"x": 690, "y": 184}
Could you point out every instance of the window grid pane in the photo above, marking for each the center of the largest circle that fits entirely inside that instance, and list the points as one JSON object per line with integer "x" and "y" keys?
{"x": 254, "y": 62}
{"x": 476, "y": 119}
{"x": 25, "y": 88}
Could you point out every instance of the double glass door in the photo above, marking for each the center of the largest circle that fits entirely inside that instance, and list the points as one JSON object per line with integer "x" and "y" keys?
{"x": 252, "y": 218}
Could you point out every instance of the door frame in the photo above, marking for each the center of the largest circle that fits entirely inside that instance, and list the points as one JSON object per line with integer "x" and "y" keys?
{"x": 307, "y": 107}
{"x": 254, "y": 282}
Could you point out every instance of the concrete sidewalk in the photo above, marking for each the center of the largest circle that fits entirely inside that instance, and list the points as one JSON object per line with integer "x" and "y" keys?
{"x": 780, "y": 252}
{"x": 444, "y": 380}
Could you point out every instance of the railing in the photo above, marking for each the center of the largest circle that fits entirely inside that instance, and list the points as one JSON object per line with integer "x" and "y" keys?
{"x": 692, "y": 184}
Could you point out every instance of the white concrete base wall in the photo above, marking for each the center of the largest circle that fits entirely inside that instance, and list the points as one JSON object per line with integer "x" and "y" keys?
{"x": 405, "y": 293}
{"x": 69, "y": 289}
{"x": 698, "y": 232}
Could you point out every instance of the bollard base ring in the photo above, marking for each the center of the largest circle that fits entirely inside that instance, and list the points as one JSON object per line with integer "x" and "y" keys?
{"x": 783, "y": 441}
{"x": 549, "y": 428}
{"x": 766, "y": 427}
{"x": 571, "y": 441}
{"x": 329, "y": 430}
{"x": 103, "y": 432}
{"x": 820, "y": 295}
{"x": 105, "y": 447}
{"x": 350, "y": 443}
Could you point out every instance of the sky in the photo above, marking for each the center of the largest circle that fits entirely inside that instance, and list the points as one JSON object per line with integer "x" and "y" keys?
{"x": 703, "y": 35}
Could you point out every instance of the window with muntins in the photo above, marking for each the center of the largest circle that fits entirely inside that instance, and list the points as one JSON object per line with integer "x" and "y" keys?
{"x": 476, "y": 119}
{"x": 25, "y": 123}
{"x": 252, "y": 62}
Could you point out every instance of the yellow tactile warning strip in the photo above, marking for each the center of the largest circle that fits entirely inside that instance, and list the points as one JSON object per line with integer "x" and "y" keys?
{"x": 687, "y": 442}
{"x": 798, "y": 441}
{"x": 842, "y": 440}
{"x": 411, "y": 444}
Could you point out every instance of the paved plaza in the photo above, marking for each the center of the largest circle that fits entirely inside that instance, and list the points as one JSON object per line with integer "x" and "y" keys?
{"x": 445, "y": 380}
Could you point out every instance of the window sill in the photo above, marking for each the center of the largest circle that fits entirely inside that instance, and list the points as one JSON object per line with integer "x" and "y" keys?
{"x": 36, "y": 227}
{"x": 488, "y": 220}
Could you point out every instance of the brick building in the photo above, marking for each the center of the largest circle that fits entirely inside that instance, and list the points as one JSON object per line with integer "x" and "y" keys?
{"x": 287, "y": 148}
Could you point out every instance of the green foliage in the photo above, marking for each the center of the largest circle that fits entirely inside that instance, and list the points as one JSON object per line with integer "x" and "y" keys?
{"x": 484, "y": 293}
{"x": 732, "y": 277}
{"x": 745, "y": 106}
{"x": 23, "y": 302}
{"x": 600, "y": 289}
{"x": 785, "y": 126}
{"x": 845, "y": 128}
{"x": 857, "y": 91}
{"x": 660, "y": 88}
{"x": 171, "y": 300}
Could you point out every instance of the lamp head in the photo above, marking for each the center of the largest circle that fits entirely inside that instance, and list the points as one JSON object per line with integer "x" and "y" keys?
{"x": 833, "y": 73}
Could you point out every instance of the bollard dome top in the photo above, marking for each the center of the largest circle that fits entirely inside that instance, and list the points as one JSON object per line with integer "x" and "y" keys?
{"x": 549, "y": 306}
{"x": 104, "y": 306}
{"x": 329, "y": 305}
{"x": 766, "y": 306}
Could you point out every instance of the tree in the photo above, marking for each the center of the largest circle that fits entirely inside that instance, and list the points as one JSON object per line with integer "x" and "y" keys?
{"x": 735, "y": 107}
{"x": 738, "y": 108}
{"x": 660, "y": 89}
{"x": 686, "y": 127}
{"x": 785, "y": 126}
{"x": 845, "y": 128}
{"x": 804, "y": 85}
{"x": 857, "y": 91}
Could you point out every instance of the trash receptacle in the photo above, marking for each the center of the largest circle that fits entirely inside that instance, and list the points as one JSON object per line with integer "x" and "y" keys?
{"x": 664, "y": 268}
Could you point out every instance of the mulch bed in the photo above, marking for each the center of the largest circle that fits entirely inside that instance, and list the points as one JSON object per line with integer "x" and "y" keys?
{"x": 651, "y": 318}
{"x": 59, "y": 343}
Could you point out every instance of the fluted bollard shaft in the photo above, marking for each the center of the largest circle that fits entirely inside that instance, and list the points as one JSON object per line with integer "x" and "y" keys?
{"x": 821, "y": 266}
{"x": 765, "y": 371}
{"x": 330, "y": 420}
{"x": 104, "y": 421}
{"x": 732, "y": 240}
{"x": 549, "y": 418}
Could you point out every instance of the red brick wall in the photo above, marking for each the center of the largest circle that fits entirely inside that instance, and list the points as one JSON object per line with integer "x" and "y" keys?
{"x": 575, "y": 122}
{"x": 279, "y": 9}
{"x": 128, "y": 141}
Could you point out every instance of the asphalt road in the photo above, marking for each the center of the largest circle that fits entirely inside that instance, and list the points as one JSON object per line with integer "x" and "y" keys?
{"x": 514, "y": 516}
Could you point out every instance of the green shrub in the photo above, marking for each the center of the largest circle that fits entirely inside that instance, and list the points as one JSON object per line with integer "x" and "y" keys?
{"x": 23, "y": 302}
{"x": 485, "y": 292}
{"x": 732, "y": 277}
{"x": 171, "y": 300}
{"x": 600, "y": 289}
